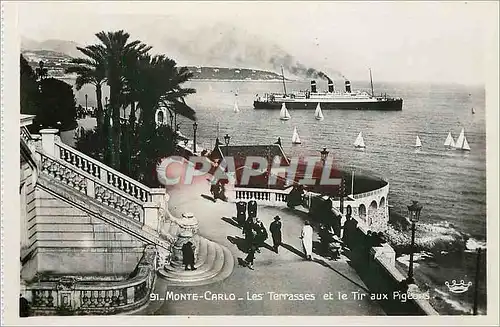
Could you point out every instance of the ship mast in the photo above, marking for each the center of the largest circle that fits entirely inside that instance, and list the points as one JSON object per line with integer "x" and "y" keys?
{"x": 283, "y": 76}
{"x": 371, "y": 81}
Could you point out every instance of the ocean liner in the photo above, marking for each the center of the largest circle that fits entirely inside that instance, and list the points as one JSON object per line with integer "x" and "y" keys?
{"x": 332, "y": 99}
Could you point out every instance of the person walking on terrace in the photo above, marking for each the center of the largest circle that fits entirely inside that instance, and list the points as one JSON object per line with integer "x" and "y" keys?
{"x": 249, "y": 232}
{"x": 307, "y": 242}
{"x": 275, "y": 229}
{"x": 260, "y": 234}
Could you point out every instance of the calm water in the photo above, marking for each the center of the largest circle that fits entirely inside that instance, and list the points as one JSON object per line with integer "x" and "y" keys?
{"x": 450, "y": 184}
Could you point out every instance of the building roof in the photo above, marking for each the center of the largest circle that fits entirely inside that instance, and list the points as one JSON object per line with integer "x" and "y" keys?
{"x": 241, "y": 152}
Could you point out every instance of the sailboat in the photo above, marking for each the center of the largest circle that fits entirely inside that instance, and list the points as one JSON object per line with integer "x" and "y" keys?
{"x": 284, "y": 114}
{"x": 449, "y": 143}
{"x": 359, "y": 143}
{"x": 462, "y": 143}
{"x": 236, "y": 109}
{"x": 295, "y": 137}
{"x": 318, "y": 114}
{"x": 473, "y": 111}
{"x": 418, "y": 143}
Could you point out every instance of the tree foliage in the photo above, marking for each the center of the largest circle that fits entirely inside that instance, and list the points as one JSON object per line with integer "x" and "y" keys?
{"x": 57, "y": 105}
{"x": 29, "y": 93}
{"x": 144, "y": 83}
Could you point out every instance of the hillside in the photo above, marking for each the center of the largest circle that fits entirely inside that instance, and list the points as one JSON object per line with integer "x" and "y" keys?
{"x": 56, "y": 62}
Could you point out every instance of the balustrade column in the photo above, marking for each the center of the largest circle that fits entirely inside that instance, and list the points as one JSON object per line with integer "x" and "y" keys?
{"x": 151, "y": 215}
{"x": 48, "y": 141}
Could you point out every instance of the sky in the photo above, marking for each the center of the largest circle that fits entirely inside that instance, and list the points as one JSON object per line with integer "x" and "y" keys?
{"x": 399, "y": 41}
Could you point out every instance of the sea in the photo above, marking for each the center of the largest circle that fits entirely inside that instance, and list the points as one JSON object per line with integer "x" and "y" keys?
{"x": 451, "y": 185}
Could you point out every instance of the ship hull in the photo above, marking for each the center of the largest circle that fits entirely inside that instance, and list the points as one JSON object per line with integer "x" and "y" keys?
{"x": 383, "y": 105}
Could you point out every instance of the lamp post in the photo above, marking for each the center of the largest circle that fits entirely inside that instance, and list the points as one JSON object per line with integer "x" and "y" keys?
{"x": 195, "y": 128}
{"x": 226, "y": 140}
{"x": 414, "y": 214}
{"x": 324, "y": 155}
{"x": 86, "y": 107}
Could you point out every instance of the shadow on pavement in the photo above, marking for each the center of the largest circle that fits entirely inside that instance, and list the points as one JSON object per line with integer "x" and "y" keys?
{"x": 207, "y": 197}
{"x": 293, "y": 250}
{"x": 325, "y": 264}
{"x": 239, "y": 242}
{"x": 231, "y": 221}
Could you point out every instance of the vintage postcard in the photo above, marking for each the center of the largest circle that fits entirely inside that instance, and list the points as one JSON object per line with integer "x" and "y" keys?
{"x": 249, "y": 162}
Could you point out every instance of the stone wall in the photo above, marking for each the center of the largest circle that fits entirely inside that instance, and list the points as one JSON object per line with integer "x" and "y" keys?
{"x": 65, "y": 240}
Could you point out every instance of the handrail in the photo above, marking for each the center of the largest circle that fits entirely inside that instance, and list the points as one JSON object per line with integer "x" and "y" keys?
{"x": 112, "y": 177}
{"x": 102, "y": 191}
{"x": 25, "y": 134}
{"x": 105, "y": 297}
{"x": 366, "y": 194}
{"x": 270, "y": 190}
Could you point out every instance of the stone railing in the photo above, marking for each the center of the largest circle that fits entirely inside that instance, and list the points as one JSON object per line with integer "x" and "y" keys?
{"x": 75, "y": 296}
{"x": 84, "y": 183}
{"x": 104, "y": 173}
{"x": 374, "y": 192}
{"x": 262, "y": 196}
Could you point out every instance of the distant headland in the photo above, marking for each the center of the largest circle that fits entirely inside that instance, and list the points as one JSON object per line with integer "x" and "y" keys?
{"x": 56, "y": 62}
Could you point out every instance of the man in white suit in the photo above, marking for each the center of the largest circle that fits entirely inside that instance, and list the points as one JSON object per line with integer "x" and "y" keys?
{"x": 307, "y": 240}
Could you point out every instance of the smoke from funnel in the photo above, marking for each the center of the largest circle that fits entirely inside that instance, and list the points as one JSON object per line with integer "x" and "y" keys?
{"x": 298, "y": 69}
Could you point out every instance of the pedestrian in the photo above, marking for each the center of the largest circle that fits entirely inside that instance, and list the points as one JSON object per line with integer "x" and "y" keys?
{"x": 250, "y": 257}
{"x": 350, "y": 227}
{"x": 260, "y": 234}
{"x": 252, "y": 208}
{"x": 275, "y": 229}
{"x": 188, "y": 255}
{"x": 306, "y": 236}
{"x": 241, "y": 212}
{"x": 24, "y": 306}
{"x": 248, "y": 232}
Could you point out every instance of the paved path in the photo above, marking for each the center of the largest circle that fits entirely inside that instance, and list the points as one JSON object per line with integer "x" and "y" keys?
{"x": 286, "y": 272}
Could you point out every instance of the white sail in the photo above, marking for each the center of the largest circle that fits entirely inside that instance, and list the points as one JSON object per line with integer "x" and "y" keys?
{"x": 284, "y": 114}
{"x": 460, "y": 140}
{"x": 295, "y": 137}
{"x": 449, "y": 141}
{"x": 473, "y": 111}
{"x": 318, "y": 113}
{"x": 236, "y": 109}
{"x": 359, "y": 143}
{"x": 418, "y": 143}
{"x": 466, "y": 146}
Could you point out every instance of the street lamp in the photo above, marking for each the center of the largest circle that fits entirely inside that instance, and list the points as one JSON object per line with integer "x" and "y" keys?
{"x": 324, "y": 155}
{"x": 195, "y": 128}
{"x": 226, "y": 140}
{"x": 414, "y": 215}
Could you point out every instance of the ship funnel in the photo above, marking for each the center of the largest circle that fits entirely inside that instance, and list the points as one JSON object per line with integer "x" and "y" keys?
{"x": 348, "y": 86}
{"x": 313, "y": 87}
{"x": 331, "y": 88}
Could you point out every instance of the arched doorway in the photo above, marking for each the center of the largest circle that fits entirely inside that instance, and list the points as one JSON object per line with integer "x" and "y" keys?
{"x": 362, "y": 212}
{"x": 372, "y": 212}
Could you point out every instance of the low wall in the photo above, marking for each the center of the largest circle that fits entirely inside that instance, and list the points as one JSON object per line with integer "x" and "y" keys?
{"x": 77, "y": 296}
{"x": 376, "y": 267}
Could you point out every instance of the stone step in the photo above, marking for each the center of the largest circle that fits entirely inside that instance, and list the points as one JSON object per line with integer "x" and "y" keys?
{"x": 217, "y": 266}
{"x": 206, "y": 269}
{"x": 207, "y": 251}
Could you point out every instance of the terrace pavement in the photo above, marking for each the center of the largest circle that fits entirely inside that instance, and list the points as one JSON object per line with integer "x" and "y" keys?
{"x": 286, "y": 272}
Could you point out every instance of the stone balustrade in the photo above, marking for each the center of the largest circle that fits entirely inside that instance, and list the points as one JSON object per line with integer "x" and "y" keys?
{"x": 80, "y": 297}
{"x": 262, "y": 196}
{"x": 104, "y": 173}
{"x": 92, "y": 187}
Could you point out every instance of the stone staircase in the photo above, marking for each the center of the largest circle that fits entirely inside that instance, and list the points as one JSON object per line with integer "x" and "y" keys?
{"x": 214, "y": 263}
{"x": 119, "y": 201}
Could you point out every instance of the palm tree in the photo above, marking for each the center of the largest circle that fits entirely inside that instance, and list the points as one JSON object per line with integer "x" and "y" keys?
{"x": 115, "y": 50}
{"x": 157, "y": 82}
{"x": 91, "y": 70}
